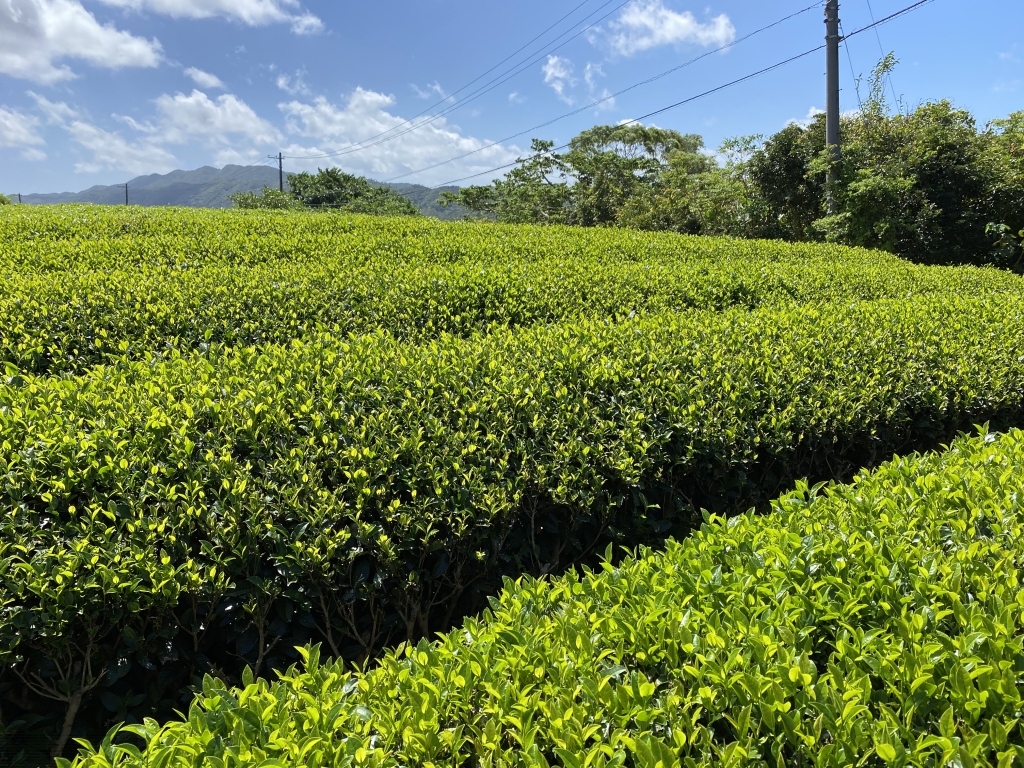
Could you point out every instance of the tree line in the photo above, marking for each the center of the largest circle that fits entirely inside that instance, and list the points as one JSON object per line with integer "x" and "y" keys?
{"x": 925, "y": 183}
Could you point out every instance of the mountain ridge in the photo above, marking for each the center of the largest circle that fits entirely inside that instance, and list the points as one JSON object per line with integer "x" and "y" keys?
{"x": 209, "y": 187}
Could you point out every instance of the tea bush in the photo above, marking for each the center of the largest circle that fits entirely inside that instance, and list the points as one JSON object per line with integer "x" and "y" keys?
{"x": 195, "y": 514}
{"x": 88, "y": 286}
{"x": 880, "y": 623}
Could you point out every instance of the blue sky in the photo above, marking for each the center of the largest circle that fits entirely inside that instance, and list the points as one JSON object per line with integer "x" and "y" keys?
{"x": 100, "y": 91}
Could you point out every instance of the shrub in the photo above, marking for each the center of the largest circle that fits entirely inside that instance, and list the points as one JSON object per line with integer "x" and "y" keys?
{"x": 879, "y": 623}
{"x": 195, "y": 514}
{"x": 82, "y": 290}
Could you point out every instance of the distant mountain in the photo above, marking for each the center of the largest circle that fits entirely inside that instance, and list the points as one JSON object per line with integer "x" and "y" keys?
{"x": 208, "y": 187}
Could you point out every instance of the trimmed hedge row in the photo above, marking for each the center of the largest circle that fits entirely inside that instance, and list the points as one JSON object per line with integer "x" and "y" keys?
{"x": 876, "y": 624}
{"x": 186, "y": 287}
{"x": 68, "y": 321}
{"x": 197, "y": 514}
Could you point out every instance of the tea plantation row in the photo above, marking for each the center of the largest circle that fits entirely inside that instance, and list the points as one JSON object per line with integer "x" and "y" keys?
{"x": 196, "y": 514}
{"x": 106, "y": 297}
{"x": 875, "y": 624}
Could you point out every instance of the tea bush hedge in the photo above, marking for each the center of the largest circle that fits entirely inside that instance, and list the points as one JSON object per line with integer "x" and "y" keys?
{"x": 880, "y": 623}
{"x": 186, "y": 515}
{"x": 90, "y": 286}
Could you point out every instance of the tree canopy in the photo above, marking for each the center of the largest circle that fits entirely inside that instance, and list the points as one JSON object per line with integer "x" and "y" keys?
{"x": 330, "y": 189}
{"x": 926, "y": 183}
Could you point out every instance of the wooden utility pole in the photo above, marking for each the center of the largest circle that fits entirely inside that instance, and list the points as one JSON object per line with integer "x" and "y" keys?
{"x": 832, "y": 137}
{"x": 280, "y": 171}
{"x": 126, "y": 194}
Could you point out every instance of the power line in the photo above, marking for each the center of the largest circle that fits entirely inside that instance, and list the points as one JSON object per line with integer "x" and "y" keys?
{"x": 486, "y": 88}
{"x": 613, "y": 95}
{"x": 853, "y": 73}
{"x": 881, "y": 49}
{"x": 479, "y": 77}
{"x": 873, "y": 25}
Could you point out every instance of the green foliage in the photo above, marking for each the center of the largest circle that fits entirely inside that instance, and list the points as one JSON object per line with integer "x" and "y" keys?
{"x": 269, "y": 199}
{"x": 879, "y": 623}
{"x": 357, "y": 491}
{"x": 224, "y": 435}
{"x": 527, "y": 194}
{"x": 333, "y": 188}
{"x": 4, "y": 200}
{"x": 925, "y": 184}
{"x": 182, "y": 280}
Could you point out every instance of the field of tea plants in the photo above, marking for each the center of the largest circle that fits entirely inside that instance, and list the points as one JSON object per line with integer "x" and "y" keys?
{"x": 880, "y": 623}
{"x": 227, "y": 437}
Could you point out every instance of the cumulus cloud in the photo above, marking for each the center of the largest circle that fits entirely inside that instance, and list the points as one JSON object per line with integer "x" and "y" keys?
{"x": 197, "y": 115}
{"x": 590, "y": 75}
{"x": 19, "y": 130}
{"x": 56, "y": 112}
{"x": 195, "y": 118}
{"x": 434, "y": 89}
{"x": 254, "y": 13}
{"x": 203, "y": 79}
{"x": 366, "y": 113}
{"x": 645, "y": 24}
{"x": 805, "y": 121}
{"x": 558, "y": 74}
{"x": 111, "y": 151}
{"x": 36, "y": 34}
{"x": 294, "y": 85}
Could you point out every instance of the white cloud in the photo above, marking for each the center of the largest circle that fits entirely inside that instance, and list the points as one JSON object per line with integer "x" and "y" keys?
{"x": 558, "y": 74}
{"x": 180, "y": 119}
{"x": 57, "y": 112}
{"x": 590, "y": 75}
{"x": 19, "y": 130}
{"x": 203, "y": 79}
{"x": 36, "y": 34}
{"x": 333, "y": 127}
{"x": 805, "y": 121}
{"x": 516, "y": 98}
{"x": 434, "y": 89}
{"x": 646, "y": 24}
{"x": 110, "y": 151}
{"x": 255, "y": 13}
{"x": 184, "y": 117}
{"x": 294, "y": 85}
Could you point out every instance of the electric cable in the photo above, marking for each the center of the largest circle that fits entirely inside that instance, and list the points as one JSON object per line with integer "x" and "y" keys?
{"x": 613, "y": 95}
{"x": 873, "y": 25}
{"x": 486, "y": 88}
{"x": 853, "y": 73}
{"x": 881, "y": 49}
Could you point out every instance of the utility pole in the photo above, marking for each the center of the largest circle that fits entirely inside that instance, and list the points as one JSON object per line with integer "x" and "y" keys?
{"x": 280, "y": 171}
{"x": 126, "y": 194}
{"x": 832, "y": 138}
{"x": 19, "y": 198}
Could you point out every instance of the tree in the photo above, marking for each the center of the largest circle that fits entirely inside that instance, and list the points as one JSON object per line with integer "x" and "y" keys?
{"x": 329, "y": 189}
{"x": 271, "y": 199}
{"x": 534, "y": 192}
{"x": 604, "y": 169}
{"x": 613, "y": 164}
{"x": 4, "y": 200}
{"x": 333, "y": 188}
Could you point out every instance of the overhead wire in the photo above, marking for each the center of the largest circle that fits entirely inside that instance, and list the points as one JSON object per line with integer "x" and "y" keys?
{"x": 517, "y": 69}
{"x": 881, "y": 50}
{"x": 447, "y": 97}
{"x": 777, "y": 65}
{"x": 604, "y": 99}
{"x": 853, "y": 73}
